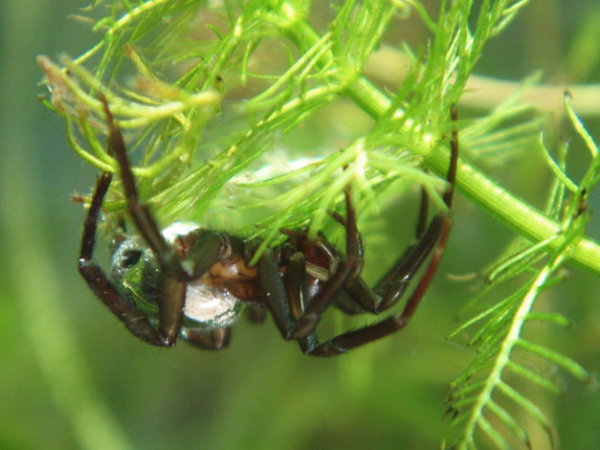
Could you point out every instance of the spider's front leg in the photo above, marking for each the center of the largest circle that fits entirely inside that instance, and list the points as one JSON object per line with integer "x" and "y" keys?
{"x": 209, "y": 247}
{"x": 139, "y": 212}
{"x": 134, "y": 320}
{"x": 206, "y": 250}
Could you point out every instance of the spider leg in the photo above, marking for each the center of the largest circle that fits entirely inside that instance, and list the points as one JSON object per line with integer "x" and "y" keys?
{"x": 207, "y": 249}
{"x": 346, "y": 277}
{"x": 274, "y": 292}
{"x": 204, "y": 253}
{"x": 393, "y": 285}
{"x": 134, "y": 320}
{"x": 294, "y": 313}
{"x": 170, "y": 310}
{"x": 422, "y": 224}
{"x": 208, "y": 340}
{"x": 256, "y": 314}
{"x": 434, "y": 239}
{"x": 352, "y": 339}
{"x": 288, "y": 305}
{"x": 299, "y": 297}
{"x": 285, "y": 304}
{"x": 396, "y": 281}
{"x": 348, "y": 269}
{"x": 297, "y": 294}
{"x": 139, "y": 212}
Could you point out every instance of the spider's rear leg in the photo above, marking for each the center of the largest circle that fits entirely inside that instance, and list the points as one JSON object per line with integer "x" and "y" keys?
{"x": 433, "y": 240}
{"x": 295, "y": 314}
{"x": 393, "y": 285}
{"x": 348, "y": 269}
{"x": 347, "y": 278}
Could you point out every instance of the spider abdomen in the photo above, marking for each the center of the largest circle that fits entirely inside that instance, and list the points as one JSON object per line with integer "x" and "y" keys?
{"x": 210, "y": 308}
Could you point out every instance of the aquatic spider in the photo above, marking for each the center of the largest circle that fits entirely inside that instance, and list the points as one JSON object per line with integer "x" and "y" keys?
{"x": 193, "y": 282}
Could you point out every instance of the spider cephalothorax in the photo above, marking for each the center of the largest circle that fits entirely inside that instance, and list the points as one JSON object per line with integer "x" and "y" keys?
{"x": 189, "y": 282}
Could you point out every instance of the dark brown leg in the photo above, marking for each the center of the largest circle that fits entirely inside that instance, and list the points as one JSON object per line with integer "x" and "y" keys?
{"x": 393, "y": 285}
{"x": 296, "y": 321}
{"x": 435, "y": 239}
{"x": 298, "y": 297}
{"x": 208, "y": 340}
{"x": 287, "y": 307}
{"x": 352, "y": 339}
{"x": 170, "y": 311}
{"x": 206, "y": 249}
{"x": 349, "y": 268}
{"x": 274, "y": 293}
{"x": 256, "y": 314}
{"x": 139, "y": 212}
{"x": 423, "y": 214}
{"x": 134, "y": 320}
{"x": 285, "y": 304}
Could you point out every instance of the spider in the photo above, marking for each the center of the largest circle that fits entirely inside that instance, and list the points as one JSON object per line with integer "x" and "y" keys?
{"x": 190, "y": 282}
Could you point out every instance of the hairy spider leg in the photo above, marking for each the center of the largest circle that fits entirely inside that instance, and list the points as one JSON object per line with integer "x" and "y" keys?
{"x": 302, "y": 328}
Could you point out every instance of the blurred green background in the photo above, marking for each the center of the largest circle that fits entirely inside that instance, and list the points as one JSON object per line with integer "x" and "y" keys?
{"x": 71, "y": 377}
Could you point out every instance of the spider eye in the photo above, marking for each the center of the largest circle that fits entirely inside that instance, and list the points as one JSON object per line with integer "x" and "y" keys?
{"x": 130, "y": 258}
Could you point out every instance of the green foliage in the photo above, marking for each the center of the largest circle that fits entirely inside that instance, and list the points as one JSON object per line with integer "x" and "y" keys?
{"x": 222, "y": 109}
{"x": 493, "y": 373}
